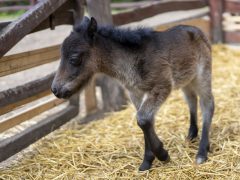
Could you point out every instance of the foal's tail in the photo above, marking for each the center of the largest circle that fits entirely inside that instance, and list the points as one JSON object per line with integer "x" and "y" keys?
{"x": 204, "y": 38}
{"x": 196, "y": 34}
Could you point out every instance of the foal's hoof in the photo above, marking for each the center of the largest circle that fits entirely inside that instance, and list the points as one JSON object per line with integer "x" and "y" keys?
{"x": 164, "y": 157}
{"x": 200, "y": 159}
{"x": 145, "y": 166}
{"x": 191, "y": 137}
{"x": 167, "y": 160}
{"x": 192, "y": 134}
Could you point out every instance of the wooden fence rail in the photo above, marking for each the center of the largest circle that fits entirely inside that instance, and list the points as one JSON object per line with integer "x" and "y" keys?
{"x": 12, "y": 145}
{"x": 154, "y": 9}
{"x": 20, "y": 95}
{"x": 26, "y": 23}
{"x": 28, "y": 113}
{"x": 26, "y": 60}
{"x": 131, "y": 5}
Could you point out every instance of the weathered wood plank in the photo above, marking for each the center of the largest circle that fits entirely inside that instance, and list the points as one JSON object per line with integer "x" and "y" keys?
{"x": 27, "y": 90}
{"x": 229, "y": 18}
{"x": 232, "y": 36}
{"x": 15, "y": 105}
{"x": 12, "y": 145}
{"x": 232, "y": 6}
{"x": 156, "y": 8}
{"x": 127, "y": 5}
{"x": 90, "y": 97}
{"x": 15, "y": 31}
{"x": 29, "y": 113}
{"x": 22, "y": 61}
{"x": 63, "y": 15}
{"x": 231, "y": 27}
{"x": 4, "y": 24}
{"x": 216, "y": 10}
{"x": 231, "y": 23}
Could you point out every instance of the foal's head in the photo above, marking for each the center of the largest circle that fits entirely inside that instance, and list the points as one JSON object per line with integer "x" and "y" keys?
{"x": 77, "y": 64}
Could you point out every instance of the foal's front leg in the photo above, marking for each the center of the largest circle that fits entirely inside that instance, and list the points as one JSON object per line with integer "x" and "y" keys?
{"x": 137, "y": 98}
{"x": 145, "y": 119}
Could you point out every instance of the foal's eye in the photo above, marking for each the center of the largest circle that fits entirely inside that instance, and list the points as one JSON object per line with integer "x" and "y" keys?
{"x": 75, "y": 61}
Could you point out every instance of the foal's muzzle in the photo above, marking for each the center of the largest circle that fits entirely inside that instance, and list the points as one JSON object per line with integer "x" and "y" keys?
{"x": 61, "y": 93}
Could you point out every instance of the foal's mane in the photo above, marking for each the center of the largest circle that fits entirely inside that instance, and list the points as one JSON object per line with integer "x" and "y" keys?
{"x": 126, "y": 36}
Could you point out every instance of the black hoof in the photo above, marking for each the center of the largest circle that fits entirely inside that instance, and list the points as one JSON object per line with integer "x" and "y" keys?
{"x": 201, "y": 159}
{"x": 145, "y": 166}
{"x": 167, "y": 160}
{"x": 192, "y": 135}
{"x": 163, "y": 157}
{"x": 202, "y": 154}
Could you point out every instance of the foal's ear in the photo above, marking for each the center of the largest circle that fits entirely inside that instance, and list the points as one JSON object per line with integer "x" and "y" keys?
{"x": 81, "y": 24}
{"x": 92, "y": 27}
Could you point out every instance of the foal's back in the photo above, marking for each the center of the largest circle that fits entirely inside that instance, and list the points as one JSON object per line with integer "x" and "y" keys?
{"x": 186, "y": 51}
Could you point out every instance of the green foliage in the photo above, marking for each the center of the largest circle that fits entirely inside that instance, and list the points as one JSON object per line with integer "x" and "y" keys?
{"x": 11, "y": 15}
{"x": 9, "y": 3}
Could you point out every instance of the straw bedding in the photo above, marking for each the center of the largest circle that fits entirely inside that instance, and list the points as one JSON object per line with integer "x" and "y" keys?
{"x": 113, "y": 148}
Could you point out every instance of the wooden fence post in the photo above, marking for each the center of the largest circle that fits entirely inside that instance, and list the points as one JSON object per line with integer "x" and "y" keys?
{"x": 113, "y": 94}
{"x": 216, "y": 10}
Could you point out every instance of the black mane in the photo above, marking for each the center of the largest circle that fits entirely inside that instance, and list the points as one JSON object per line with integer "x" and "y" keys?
{"x": 126, "y": 36}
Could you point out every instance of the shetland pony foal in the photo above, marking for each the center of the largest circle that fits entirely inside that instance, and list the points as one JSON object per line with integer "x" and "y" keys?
{"x": 150, "y": 64}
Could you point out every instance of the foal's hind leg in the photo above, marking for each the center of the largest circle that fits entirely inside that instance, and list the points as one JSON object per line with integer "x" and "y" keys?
{"x": 207, "y": 107}
{"x": 191, "y": 99}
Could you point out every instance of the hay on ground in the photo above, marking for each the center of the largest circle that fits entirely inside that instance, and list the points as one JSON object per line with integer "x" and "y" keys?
{"x": 113, "y": 148}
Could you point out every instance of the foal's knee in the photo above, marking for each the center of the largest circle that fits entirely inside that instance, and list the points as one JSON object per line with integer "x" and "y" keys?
{"x": 144, "y": 122}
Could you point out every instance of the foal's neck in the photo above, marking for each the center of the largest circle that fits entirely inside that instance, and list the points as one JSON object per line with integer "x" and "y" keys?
{"x": 116, "y": 61}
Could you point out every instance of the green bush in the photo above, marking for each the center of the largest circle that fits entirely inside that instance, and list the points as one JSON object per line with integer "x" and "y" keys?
{"x": 11, "y": 15}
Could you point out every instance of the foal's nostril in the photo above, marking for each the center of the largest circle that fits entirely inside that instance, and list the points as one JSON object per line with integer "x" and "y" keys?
{"x": 54, "y": 90}
{"x": 66, "y": 94}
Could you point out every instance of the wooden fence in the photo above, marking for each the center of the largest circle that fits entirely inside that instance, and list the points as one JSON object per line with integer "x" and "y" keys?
{"x": 218, "y": 8}
{"x": 13, "y": 98}
{"x": 52, "y": 13}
